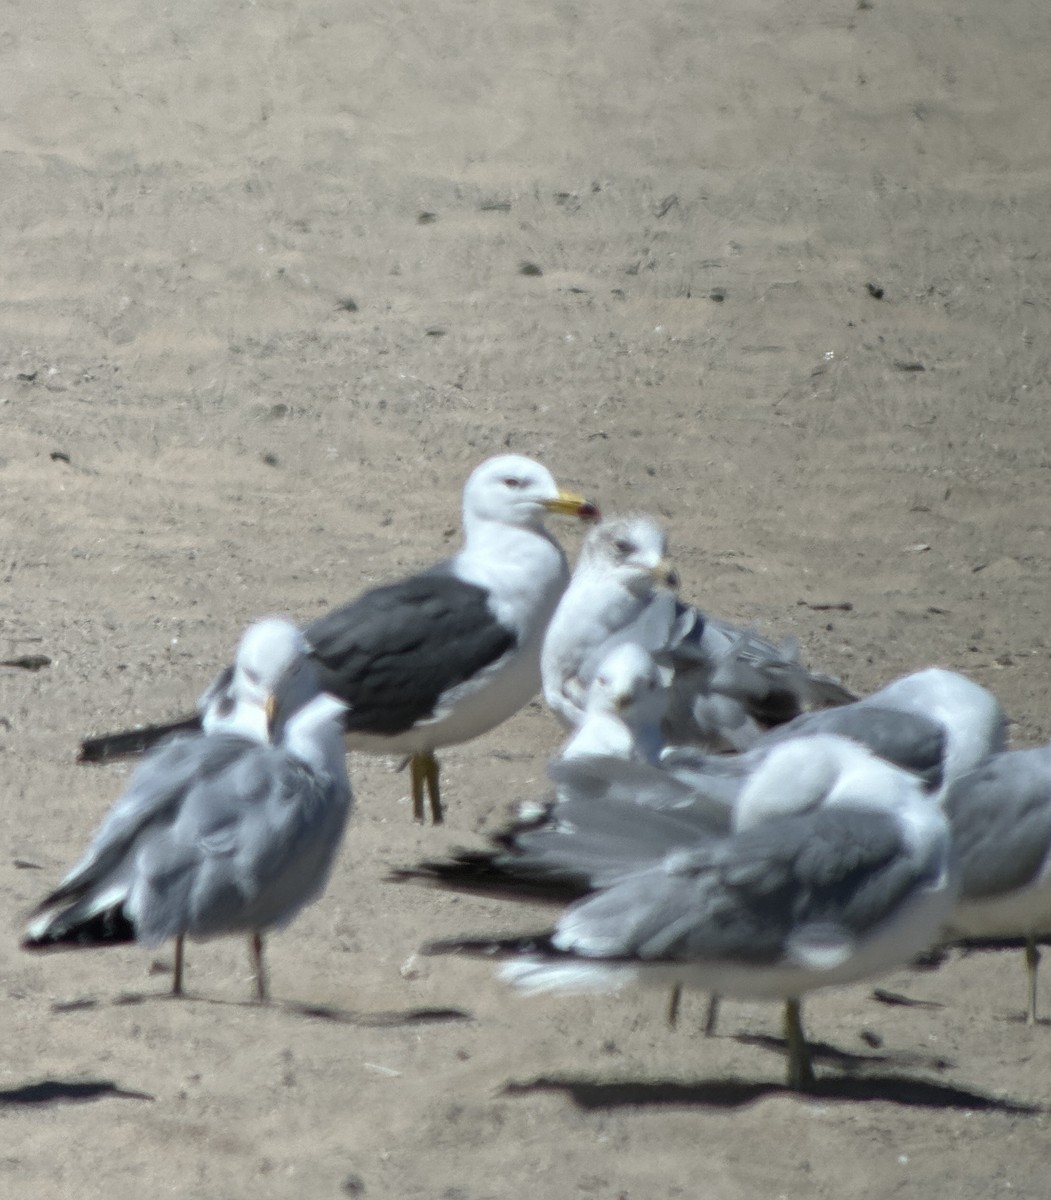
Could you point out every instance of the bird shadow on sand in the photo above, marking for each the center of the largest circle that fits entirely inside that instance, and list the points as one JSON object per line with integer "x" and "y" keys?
{"x": 377, "y": 1020}
{"x": 314, "y": 1012}
{"x": 848, "y": 1062}
{"x": 905, "y": 1090}
{"x": 66, "y": 1091}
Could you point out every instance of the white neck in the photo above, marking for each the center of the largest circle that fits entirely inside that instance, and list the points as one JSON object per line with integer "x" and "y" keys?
{"x": 523, "y": 569}
{"x": 314, "y": 735}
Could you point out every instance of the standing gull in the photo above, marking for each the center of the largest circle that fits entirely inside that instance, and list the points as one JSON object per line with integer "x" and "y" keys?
{"x": 218, "y": 832}
{"x": 728, "y": 685}
{"x": 839, "y": 870}
{"x": 1000, "y": 815}
{"x": 448, "y": 654}
{"x": 935, "y": 723}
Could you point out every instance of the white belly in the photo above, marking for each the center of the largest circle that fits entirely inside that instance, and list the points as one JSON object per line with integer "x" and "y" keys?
{"x": 1016, "y": 914}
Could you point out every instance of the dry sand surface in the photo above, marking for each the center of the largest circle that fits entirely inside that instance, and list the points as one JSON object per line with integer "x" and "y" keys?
{"x": 276, "y": 276}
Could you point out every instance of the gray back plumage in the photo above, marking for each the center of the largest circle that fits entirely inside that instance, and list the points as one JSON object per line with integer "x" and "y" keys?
{"x": 838, "y": 873}
{"x": 1000, "y": 815}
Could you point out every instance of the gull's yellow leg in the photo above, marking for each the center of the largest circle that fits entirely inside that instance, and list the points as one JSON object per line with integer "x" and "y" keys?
{"x": 178, "y": 968}
{"x": 430, "y": 775}
{"x": 255, "y": 947}
{"x": 712, "y": 1017}
{"x": 800, "y": 1070}
{"x": 417, "y": 771}
{"x": 1032, "y": 962}
{"x": 674, "y": 1003}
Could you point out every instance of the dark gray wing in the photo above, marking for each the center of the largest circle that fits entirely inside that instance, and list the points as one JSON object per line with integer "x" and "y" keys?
{"x": 392, "y": 653}
{"x": 1000, "y": 816}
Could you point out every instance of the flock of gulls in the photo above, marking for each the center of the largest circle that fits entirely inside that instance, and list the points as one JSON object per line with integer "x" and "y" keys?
{"x": 721, "y": 818}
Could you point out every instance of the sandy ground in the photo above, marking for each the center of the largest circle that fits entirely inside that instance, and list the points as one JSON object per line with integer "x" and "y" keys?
{"x": 276, "y": 276}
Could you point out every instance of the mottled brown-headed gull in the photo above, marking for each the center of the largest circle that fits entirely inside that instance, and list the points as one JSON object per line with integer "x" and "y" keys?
{"x": 728, "y": 684}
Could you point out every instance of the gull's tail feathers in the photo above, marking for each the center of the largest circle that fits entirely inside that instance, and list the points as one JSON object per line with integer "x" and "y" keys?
{"x": 90, "y": 920}
{"x": 532, "y": 963}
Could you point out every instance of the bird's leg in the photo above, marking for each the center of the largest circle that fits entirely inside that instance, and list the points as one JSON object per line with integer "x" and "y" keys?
{"x": 255, "y": 949}
{"x": 674, "y": 1002}
{"x": 177, "y": 969}
{"x": 1032, "y": 962}
{"x": 417, "y": 770}
{"x": 712, "y": 1016}
{"x": 430, "y": 775}
{"x": 800, "y": 1071}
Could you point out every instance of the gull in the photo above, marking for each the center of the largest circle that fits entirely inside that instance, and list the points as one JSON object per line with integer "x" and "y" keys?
{"x": 728, "y": 684}
{"x": 935, "y": 723}
{"x": 586, "y": 831}
{"x": 219, "y": 831}
{"x": 448, "y": 654}
{"x": 1000, "y": 815}
{"x": 838, "y": 870}
{"x": 626, "y": 703}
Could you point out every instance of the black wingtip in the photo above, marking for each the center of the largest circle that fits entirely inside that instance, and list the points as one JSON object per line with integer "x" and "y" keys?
{"x": 497, "y": 876}
{"x": 493, "y": 947}
{"x": 109, "y": 746}
{"x": 108, "y": 928}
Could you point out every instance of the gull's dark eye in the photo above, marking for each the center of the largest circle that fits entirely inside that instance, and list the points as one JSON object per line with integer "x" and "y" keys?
{"x": 512, "y": 482}
{"x": 623, "y": 547}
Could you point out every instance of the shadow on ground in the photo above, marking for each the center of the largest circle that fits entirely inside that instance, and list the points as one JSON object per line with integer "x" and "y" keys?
{"x": 66, "y": 1091}
{"x": 294, "y": 1008}
{"x": 905, "y": 1090}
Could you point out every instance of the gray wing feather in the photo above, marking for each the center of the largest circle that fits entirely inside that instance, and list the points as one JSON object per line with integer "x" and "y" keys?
{"x": 249, "y": 849}
{"x": 839, "y": 870}
{"x": 152, "y": 798}
{"x": 603, "y": 779}
{"x": 598, "y": 843}
{"x": 1000, "y": 815}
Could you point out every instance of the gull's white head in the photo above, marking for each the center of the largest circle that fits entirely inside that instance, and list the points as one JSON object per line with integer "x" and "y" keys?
{"x": 632, "y": 550}
{"x": 272, "y": 677}
{"x": 629, "y": 684}
{"x": 513, "y": 490}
